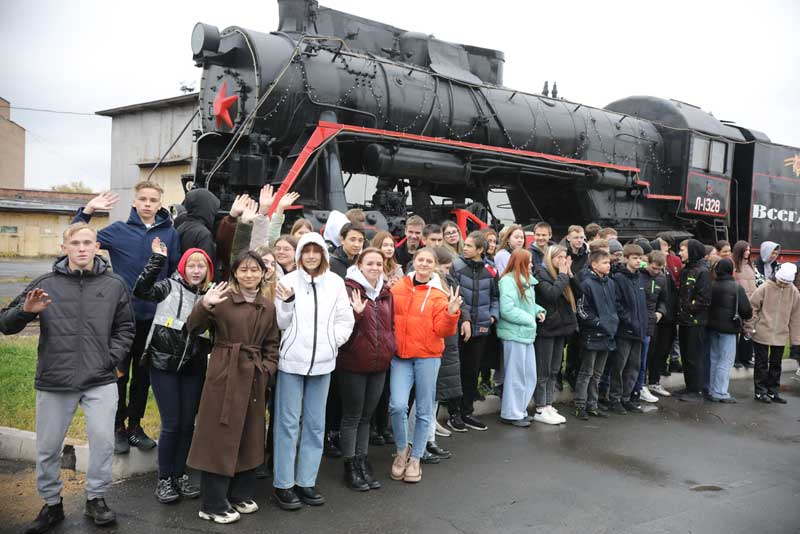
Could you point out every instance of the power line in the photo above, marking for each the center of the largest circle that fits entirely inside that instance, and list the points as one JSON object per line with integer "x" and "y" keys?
{"x": 50, "y": 111}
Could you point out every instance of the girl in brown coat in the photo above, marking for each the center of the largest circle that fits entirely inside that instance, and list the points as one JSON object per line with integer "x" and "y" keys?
{"x": 228, "y": 441}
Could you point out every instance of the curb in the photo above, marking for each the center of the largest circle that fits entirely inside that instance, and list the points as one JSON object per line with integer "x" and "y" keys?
{"x": 21, "y": 444}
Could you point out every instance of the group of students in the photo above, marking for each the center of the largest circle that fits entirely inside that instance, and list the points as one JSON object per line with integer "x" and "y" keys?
{"x": 333, "y": 333}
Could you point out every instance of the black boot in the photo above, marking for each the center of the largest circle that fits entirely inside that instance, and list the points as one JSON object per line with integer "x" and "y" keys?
{"x": 329, "y": 448}
{"x": 49, "y": 516}
{"x": 376, "y": 438}
{"x": 353, "y": 477}
{"x": 362, "y": 462}
{"x": 99, "y": 511}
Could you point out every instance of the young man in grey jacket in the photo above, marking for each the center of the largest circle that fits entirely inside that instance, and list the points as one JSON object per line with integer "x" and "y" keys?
{"x": 86, "y": 330}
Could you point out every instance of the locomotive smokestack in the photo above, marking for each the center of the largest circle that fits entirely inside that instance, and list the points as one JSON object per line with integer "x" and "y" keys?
{"x": 297, "y": 16}
{"x": 545, "y": 90}
{"x": 555, "y": 90}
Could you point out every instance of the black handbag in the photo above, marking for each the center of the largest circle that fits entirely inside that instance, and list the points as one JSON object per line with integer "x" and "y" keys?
{"x": 736, "y": 319}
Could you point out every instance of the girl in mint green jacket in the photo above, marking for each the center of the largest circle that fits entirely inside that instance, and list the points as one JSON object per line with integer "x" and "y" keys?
{"x": 519, "y": 314}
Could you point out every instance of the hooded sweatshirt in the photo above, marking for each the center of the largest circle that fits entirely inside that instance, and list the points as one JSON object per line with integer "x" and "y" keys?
{"x": 694, "y": 295}
{"x": 776, "y": 314}
{"x": 316, "y": 321}
{"x": 728, "y": 299}
{"x": 421, "y": 318}
{"x": 762, "y": 262}
{"x": 129, "y": 248}
{"x": 196, "y": 228}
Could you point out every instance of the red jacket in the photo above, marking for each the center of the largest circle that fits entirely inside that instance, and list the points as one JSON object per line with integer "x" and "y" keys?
{"x": 421, "y": 318}
{"x": 372, "y": 343}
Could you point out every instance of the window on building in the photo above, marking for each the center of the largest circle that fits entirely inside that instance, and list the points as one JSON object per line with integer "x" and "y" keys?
{"x": 8, "y": 230}
{"x": 718, "y": 157}
{"x": 700, "y": 146}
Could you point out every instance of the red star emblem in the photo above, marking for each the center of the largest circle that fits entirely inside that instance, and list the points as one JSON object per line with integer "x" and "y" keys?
{"x": 221, "y": 105}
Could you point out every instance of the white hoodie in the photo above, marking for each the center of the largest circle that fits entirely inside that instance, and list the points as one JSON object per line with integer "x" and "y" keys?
{"x": 355, "y": 274}
{"x": 317, "y": 321}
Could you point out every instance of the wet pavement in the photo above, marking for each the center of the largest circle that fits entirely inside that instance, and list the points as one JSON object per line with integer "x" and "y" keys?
{"x": 699, "y": 468}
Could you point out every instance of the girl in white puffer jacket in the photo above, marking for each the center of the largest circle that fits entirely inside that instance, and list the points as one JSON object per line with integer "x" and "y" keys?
{"x": 314, "y": 313}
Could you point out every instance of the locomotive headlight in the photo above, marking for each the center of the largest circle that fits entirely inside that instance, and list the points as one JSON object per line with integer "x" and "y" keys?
{"x": 205, "y": 38}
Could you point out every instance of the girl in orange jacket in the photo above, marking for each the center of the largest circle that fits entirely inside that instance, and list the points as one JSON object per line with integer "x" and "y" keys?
{"x": 425, "y": 312}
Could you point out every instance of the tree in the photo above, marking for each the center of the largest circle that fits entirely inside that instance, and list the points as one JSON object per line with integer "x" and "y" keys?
{"x": 76, "y": 186}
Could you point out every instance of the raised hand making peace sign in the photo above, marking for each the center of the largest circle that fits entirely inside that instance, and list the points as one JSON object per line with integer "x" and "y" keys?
{"x": 453, "y": 300}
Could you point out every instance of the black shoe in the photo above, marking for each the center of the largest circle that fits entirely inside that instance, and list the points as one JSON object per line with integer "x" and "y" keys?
{"x": 594, "y": 412}
{"x": 99, "y": 511}
{"x": 455, "y": 423}
{"x": 287, "y": 499}
{"x": 707, "y": 396}
{"x": 675, "y": 367}
{"x": 137, "y": 438}
{"x": 121, "y": 445}
{"x": 617, "y": 408}
{"x": 366, "y": 471}
{"x": 353, "y": 477}
{"x": 632, "y": 406}
{"x": 185, "y": 488}
{"x": 166, "y": 492}
{"x": 777, "y": 399}
{"x": 428, "y": 458}
{"x": 49, "y": 516}
{"x": 727, "y": 400}
{"x": 473, "y": 423}
{"x": 388, "y": 437}
{"x": 580, "y": 413}
{"x": 309, "y": 496}
{"x": 762, "y": 397}
{"x": 329, "y": 448}
{"x": 738, "y": 365}
{"x": 433, "y": 448}
{"x": 376, "y": 438}
{"x": 264, "y": 470}
{"x": 690, "y": 396}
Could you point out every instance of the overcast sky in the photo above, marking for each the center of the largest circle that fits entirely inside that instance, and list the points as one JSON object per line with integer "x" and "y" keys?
{"x": 738, "y": 59}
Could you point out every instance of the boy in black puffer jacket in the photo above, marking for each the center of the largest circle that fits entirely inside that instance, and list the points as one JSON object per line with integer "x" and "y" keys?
{"x": 632, "y": 310}
{"x": 729, "y": 308}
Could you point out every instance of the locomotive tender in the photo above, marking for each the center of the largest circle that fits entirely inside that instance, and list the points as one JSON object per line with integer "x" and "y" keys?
{"x": 330, "y": 94}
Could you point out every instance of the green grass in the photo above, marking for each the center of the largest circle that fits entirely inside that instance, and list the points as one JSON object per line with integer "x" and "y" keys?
{"x": 18, "y": 398}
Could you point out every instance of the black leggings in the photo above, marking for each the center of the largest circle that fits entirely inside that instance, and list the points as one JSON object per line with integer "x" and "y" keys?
{"x": 658, "y": 353}
{"x": 360, "y": 394}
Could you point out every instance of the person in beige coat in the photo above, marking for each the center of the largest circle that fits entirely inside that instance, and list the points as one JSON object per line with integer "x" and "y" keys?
{"x": 775, "y": 322}
{"x": 228, "y": 441}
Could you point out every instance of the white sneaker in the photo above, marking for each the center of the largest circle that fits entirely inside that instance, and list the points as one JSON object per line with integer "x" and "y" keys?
{"x": 546, "y": 417}
{"x": 646, "y": 396}
{"x": 245, "y": 507}
{"x": 557, "y": 416}
{"x": 442, "y": 431}
{"x": 658, "y": 389}
{"x": 223, "y": 518}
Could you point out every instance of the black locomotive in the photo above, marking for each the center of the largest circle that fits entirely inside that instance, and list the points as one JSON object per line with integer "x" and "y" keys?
{"x": 330, "y": 95}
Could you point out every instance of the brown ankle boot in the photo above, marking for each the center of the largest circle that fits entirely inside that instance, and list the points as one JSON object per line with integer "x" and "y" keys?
{"x": 399, "y": 464}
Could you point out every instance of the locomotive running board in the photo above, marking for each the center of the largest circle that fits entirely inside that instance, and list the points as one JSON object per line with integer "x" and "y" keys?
{"x": 325, "y": 132}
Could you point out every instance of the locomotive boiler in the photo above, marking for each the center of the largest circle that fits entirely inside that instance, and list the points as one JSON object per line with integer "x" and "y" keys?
{"x": 330, "y": 95}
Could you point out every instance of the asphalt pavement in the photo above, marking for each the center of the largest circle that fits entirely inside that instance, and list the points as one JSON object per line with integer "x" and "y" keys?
{"x": 683, "y": 468}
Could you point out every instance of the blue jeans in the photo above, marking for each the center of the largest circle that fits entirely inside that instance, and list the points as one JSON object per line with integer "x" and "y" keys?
{"x": 722, "y": 350}
{"x": 177, "y": 397}
{"x": 519, "y": 360}
{"x": 406, "y": 373}
{"x": 296, "y": 396}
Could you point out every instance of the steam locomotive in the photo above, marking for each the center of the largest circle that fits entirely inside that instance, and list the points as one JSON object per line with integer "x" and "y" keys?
{"x": 330, "y": 97}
